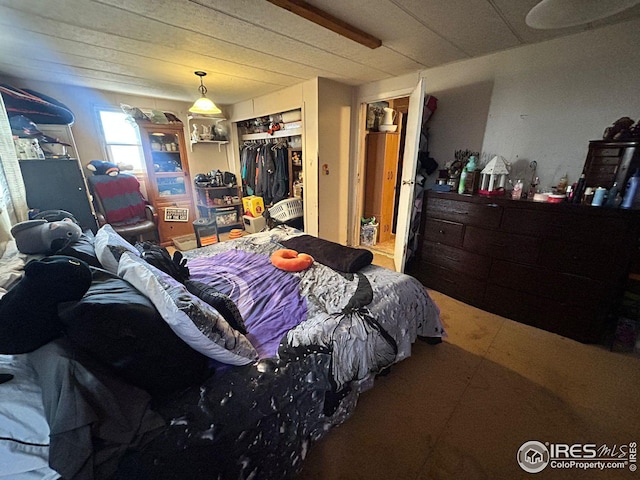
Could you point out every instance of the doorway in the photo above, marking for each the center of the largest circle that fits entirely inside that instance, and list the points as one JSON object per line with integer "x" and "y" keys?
{"x": 385, "y": 241}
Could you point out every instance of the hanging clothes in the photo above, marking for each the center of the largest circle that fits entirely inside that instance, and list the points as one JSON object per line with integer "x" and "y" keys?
{"x": 281, "y": 174}
{"x": 266, "y": 172}
{"x": 248, "y": 158}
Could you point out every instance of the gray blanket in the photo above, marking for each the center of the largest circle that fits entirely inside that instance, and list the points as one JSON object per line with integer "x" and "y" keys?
{"x": 93, "y": 416}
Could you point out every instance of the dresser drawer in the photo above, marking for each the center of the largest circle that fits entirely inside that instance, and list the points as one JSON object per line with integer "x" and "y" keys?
{"x": 604, "y": 263}
{"x": 565, "y": 226}
{"x": 443, "y": 231}
{"x": 569, "y": 290}
{"x": 579, "y": 323}
{"x": 449, "y": 282}
{"x": 455, "y": 259}
{"x": 482, "y": 214}
{"x": 505, "y": 246}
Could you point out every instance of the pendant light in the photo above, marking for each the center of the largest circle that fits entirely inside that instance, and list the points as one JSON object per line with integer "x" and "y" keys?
{"x": 204, "y": 106}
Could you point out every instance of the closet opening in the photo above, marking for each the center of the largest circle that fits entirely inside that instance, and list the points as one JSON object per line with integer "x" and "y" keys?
{"x": 385, "y": 136}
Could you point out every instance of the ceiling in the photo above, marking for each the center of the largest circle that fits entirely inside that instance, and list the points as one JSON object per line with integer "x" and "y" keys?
{"x": 249, "y": 47}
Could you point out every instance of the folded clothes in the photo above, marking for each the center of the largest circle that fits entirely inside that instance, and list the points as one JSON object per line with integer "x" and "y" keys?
{"x": 331, "y": 254}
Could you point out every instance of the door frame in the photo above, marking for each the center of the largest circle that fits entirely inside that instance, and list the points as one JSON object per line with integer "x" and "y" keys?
{"x": 410, "y": 159}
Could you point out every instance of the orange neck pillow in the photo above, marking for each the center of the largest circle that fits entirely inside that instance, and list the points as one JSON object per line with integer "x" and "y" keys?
{"x": 290, "y": 260}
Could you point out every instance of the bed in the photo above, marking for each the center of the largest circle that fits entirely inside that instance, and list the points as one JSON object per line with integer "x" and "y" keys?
{"x": 133, "y": 384}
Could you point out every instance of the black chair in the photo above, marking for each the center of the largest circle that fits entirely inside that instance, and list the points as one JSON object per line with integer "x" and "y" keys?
{"x": 119, "y": 202}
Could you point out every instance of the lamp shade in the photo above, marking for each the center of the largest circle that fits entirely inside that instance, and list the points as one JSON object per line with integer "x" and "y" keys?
{"x": 204, "y": 106}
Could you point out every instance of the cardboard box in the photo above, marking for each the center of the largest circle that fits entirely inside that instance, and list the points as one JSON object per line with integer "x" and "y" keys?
{"x": 253, "y": 204}
{"x": 253, "y": 224}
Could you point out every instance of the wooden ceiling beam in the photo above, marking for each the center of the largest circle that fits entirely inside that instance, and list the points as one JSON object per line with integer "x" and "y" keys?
{"x": 322, "y": 18}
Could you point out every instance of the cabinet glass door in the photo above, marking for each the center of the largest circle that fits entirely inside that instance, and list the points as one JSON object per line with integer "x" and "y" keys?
{"x": 167, "y": 164}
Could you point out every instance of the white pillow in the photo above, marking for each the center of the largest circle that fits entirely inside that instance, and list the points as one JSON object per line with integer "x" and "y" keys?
{"x": 109, "y": 246}
{"x": 24, "y": 431}
{"x": 201, "y": 326}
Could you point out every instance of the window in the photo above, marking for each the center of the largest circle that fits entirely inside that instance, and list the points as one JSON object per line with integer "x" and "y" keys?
{"x": 121, "y": 139}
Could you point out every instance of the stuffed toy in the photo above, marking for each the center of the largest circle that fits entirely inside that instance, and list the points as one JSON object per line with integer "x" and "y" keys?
{"x": 42, "y": 236}
{"x": 619, "y": 131}
{"x": 102, "y": 167}
{"x": 29, "y": 310}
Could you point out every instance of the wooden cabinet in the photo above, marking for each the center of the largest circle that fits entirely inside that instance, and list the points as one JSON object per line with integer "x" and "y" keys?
{"x": 169, "y": 184}
{"x": 380, "y": 179}
{"x": 559, "y": 267}
{"x": 224, "y": 204}
{"x": 58, "y": 184}
{"x": 609, "y": 162}
{"x": 58, "y": 181}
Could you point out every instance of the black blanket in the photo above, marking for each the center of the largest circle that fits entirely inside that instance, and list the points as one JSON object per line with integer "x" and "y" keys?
{"x": 331, "y": 254}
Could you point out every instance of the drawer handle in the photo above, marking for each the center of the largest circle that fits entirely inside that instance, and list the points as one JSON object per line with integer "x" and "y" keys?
{"x": 441, "y": 231}
{"x": 501, "y": 245}
{"x": 492, "y": 205}
{"x": 458, "y": 212}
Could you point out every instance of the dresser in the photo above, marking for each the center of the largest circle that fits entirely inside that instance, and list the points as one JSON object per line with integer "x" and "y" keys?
{"x": 380, "y": 180}
{"x": 559, "y": 267}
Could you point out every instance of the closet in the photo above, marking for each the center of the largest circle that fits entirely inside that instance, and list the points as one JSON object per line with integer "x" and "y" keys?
{"x": 271, "y": 156}
{"x": 324, "y": 139}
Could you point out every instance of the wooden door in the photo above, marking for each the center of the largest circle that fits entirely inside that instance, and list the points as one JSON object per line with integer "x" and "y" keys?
{"x": 409, "y": 166}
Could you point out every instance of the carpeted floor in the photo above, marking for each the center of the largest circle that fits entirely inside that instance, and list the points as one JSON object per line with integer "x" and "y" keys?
{"x": 460, "y": 410}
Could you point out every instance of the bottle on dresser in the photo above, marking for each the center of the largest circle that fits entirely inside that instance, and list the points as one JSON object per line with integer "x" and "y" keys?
{"x": 578, "y": 191}
{"x": 613, "y": 196}
{"x": 631, "y": 190}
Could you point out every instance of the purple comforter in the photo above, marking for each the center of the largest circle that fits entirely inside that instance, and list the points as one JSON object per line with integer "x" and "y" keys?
{"x": 268, "y": 298}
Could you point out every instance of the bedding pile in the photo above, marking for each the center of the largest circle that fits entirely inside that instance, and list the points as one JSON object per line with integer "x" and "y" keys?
{"x": 233, "y": 372}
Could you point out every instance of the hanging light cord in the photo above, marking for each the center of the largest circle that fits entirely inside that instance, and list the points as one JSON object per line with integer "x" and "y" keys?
{"x": 202, "y": 88}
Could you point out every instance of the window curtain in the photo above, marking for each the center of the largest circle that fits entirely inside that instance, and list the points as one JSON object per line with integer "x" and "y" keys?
{"x": 13, "y": 197}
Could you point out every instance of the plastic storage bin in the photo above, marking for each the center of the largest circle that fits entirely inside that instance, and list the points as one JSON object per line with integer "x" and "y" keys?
{"x": 368, "y": 234}
{"x": 206, "y": 232}
{"x": 287, "y": 209}
{"x": 185, "y": 242}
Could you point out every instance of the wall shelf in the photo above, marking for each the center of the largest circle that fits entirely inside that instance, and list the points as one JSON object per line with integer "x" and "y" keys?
{"x": 218, "y": 142}
{"x": 205, "y": 120}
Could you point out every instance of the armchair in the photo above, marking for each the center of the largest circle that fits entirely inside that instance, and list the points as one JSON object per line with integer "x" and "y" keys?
{"x": 119, "y": 202}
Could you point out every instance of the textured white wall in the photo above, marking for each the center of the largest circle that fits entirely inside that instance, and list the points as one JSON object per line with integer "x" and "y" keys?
{"x": 542, "y": 102}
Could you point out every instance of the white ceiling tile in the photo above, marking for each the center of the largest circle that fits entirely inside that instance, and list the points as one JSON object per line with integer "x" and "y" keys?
{"x": 249, "y": 47}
